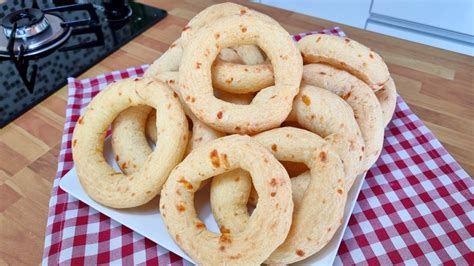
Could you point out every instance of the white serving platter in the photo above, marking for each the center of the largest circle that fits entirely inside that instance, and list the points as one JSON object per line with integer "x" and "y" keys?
{"x": 146, "y": 220}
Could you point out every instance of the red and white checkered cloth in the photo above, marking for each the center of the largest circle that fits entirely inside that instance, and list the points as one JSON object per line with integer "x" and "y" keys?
{"x": 415, "y": 207}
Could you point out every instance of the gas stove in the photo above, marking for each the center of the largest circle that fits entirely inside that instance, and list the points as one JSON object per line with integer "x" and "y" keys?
{"x": 44, "y": 42}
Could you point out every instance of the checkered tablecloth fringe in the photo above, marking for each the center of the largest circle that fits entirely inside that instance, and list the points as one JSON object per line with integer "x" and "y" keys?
{"x": 415, "y": 207}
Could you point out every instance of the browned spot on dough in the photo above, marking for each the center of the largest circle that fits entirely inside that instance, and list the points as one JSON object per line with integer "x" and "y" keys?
{"x": 193, "y": 99}
{"x": 171, "y": 81}
{"x": 175, "y": 94}
{"x": 74, "y": 142}
{"x": 215, "y": 158}
{"x": 124, "y": 165}
{"x": 178, "y": 238}
{"x": 224, "y": 230}
{"x": 187, "y": 98}
{"x": 363, "y": 148}
{"x": 322, "y": 73}
{"x": 273, "y": 182}
{"x": 168, "y": 106}
{"x": 217, "y": 36}
{"x": 200, "y": 225}
{"x": 339, "y": 191}
{"x": 274, "y": 147}
{"x": 237, "y": 179}
{"x": 221, "y": 248}
{"x": 243, "y": 11}
{"x": 284, "y": 57}
{"x": 198, "y": 65}
{"x": 265, "y": 160}
{"x": 228, "y": 81}
{"x": 243, "y": 28}
{"x": 148, "y": 192}
{"x": 360, "y": 158}
{"x": 246, "y": 69}
{"x": 312, "y": 117}
{"x": 129, "y": 100}
{"x": 273, "y": 97}
{"x": 238, "y": 256}
{"x": 120, "y": 93}
{"x": 347, "y": 95}
{"x": 324, "y": 201}
{"x": 206, "y": 53}
{"x": 113, "y": 174}
{"x": 306, "y": 100}
{"x": 364, "y": 64}
{"x": 185, "y": 183}
{"x": 300, "y": 252}
{"x": 273, "y": 194}
{"x": 352, "y": 145}
{"x": 339, "y": 180}
{"x": 225, "y": 161}
{"x": 347, "y": 40}
{"x": 329, "y": 229}
{"x": 173, "y": 45}
{"x": 225, "y": 238}
{"x": 323, "y": 156}
{"x": 180, "y": 207}
{"x": 237, "y": 128}
{"x": 371, "y": 55}
{"x": 318, "y": 39}
{"x": 219, "y": 115}
{"x": 186, "y": 28}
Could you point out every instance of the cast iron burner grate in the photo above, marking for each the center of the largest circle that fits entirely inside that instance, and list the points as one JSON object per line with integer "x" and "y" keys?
{"x": 44, "y": 42}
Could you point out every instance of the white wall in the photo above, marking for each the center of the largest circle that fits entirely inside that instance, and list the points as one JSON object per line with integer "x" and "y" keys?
{"x": 446, "y": 24}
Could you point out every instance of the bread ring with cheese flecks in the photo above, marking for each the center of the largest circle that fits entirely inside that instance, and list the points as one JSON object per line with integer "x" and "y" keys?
{"x": 97, "y": 177}
{"x": 195, "y": 82}
{"x": 251, "y": 246}
{"x": 130, "y": 127}
{"x": 360, "y": 97}
{"x": 321, "y": 208}
{"x": 346, "y": 54}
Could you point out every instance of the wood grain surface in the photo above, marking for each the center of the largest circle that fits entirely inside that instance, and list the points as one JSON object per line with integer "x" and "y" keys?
{"x": 436, "y": 84}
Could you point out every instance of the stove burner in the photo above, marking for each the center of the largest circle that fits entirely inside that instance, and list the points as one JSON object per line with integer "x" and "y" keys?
{"x": 51, "y": 36}
{"x": 117, "y": 11}
{"x": 29, "y": 22}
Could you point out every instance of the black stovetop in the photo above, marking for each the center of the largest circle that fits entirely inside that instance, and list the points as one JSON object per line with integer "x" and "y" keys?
{"x": 76, "y": 55}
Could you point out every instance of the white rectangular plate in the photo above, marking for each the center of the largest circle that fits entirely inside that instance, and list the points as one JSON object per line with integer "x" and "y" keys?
{"x": 146, "y": 220}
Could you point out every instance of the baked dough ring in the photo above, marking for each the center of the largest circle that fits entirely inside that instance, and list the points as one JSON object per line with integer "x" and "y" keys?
{"x": 329, "y": 116}
{"x": 195, "y": 75}
{"x": 360, "y": 97}
{"x": 387, "y": 97}
{"x": 171, "y": 59}
{"x": 130, "y": 127}
{"x": 251, "y": 246}
{"x": 321, "y": 208}
{"x": 97, "y": 177}
{"x": 347, "y": 54}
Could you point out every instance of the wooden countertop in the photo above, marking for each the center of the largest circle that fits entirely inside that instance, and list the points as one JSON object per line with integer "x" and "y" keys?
{"x": 436, "y": 84}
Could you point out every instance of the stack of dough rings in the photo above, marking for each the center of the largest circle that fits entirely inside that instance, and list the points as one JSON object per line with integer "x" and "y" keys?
{"x": 234, "y": 101}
